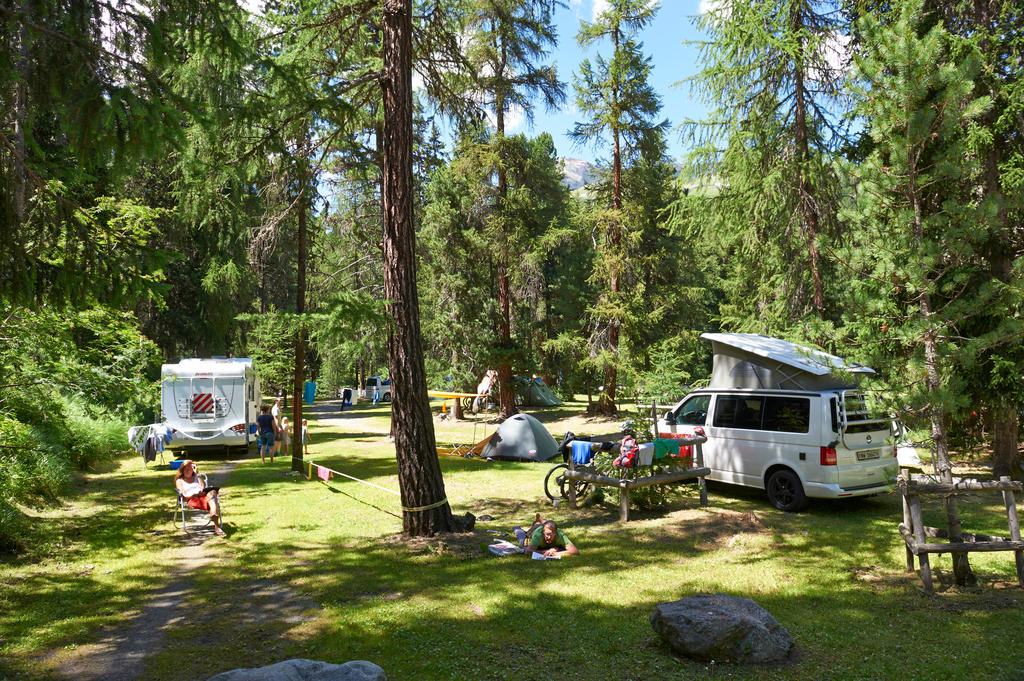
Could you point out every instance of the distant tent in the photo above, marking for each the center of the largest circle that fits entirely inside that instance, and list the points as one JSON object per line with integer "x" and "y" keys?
{"x": 521, "y": 437}
{"x": 534, "y": 392}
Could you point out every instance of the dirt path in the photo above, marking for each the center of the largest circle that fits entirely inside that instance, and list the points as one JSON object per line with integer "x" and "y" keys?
{"x": 121, "y": 654}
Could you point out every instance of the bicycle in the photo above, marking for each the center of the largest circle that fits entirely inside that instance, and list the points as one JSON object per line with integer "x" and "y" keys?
{"x": 555, "y": 480}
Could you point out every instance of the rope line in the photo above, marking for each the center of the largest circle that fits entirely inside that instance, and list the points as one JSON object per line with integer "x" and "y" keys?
{"x": 428, "y": 507}
{"x": 350, "y": 477}
{"x": 416, "y": 509}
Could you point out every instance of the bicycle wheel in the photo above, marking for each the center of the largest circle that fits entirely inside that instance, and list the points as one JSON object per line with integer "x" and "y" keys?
{"x": 554, "y": 481}
{"x": 582, "y": 487}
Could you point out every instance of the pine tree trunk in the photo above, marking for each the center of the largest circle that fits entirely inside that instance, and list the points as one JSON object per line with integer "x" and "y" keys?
{"x": 506, "y": 389}
{"x": 1005, "y": 455}
{"x": 300, "y": 334}
{"x": 419, "y": 472}
{"x": 606, "y": 402}
{"x": 808, "y": 216}
{"x": 962, "y": 573}
{"x": 1006, "y": 458}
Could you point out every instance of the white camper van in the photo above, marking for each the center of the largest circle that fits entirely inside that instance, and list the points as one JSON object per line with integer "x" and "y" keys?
{"x": 210, "y": 402}
{"x": 786, "y": 419}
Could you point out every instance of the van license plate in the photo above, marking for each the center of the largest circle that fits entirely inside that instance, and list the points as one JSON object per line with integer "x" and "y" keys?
{"x": 867, "y": 454}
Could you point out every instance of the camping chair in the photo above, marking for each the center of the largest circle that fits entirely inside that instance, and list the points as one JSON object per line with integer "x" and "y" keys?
{"x": 184, "y": 511}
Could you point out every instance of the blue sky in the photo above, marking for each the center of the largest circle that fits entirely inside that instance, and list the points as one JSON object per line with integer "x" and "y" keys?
{"x": 671, "y": 61}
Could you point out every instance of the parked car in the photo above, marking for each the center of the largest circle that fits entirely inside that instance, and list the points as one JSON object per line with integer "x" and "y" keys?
{"x": 790, "y": 423}
{"x": 382, "y": 384}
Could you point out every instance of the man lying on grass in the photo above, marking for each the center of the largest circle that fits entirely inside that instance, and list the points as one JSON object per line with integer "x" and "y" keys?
{"x": 545, "y": 538}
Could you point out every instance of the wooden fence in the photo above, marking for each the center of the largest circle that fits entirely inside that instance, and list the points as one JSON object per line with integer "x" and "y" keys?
{"x": 915, "y": 533}
{"x": 625, "y": 484}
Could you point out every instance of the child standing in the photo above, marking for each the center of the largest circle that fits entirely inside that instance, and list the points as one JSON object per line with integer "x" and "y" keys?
{"x": 286, "y": 437}
{"x": 305, "y": 438}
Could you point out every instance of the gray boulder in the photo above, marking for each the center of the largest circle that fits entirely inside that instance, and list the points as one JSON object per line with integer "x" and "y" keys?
{"x": 307, "y": 670}
{"x": 723, "y": 628}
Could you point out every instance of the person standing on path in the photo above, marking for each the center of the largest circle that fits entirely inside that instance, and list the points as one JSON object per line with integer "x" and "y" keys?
{"x": 266, "y": 429}
{"x": 276, "y": 413}
{"x": 286, "y": 437}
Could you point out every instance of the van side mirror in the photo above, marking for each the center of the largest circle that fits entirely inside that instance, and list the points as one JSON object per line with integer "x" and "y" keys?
{"x": 669, "y": 418}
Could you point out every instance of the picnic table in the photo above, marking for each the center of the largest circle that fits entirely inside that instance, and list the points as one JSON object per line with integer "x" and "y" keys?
{"x": 587, "y": 473}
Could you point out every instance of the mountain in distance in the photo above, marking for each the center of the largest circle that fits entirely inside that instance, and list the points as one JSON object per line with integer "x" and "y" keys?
{"x": 576, "y": 173}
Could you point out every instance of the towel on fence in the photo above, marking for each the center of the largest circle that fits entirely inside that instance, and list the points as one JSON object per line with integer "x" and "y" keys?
{"x": 646, "y": 453}
{"x": 323, "y": 473}
{"x": 581, "y": 453}
{"x": 665, "y": 447}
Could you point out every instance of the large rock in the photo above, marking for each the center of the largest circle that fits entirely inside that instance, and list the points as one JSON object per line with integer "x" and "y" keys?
{"x": 723, "y": 628}
{"x": 307, "y": 670}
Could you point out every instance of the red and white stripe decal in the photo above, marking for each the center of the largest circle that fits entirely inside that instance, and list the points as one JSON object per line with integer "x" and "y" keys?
{"x": 202, "y": 403}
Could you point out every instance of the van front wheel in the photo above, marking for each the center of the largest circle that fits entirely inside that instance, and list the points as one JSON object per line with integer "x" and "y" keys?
{"x": 785, "y": 491}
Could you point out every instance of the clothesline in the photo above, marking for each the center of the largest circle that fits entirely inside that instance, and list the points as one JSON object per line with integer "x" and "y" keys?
{"x": 322, "y": 469}
{"x": 324, "y": 473}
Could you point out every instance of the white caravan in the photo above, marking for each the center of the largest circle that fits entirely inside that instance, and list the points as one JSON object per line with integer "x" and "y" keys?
{"x": 786, "y": 419}
{"x": 210, "y": 402}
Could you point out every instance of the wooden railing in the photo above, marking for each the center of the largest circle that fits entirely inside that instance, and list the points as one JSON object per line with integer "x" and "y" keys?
{"x": 625, "y": 484}
{"x": 915, "y": 533}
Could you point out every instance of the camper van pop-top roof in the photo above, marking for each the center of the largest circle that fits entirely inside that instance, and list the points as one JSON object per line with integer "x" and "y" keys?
{"x": 748, "y": 360}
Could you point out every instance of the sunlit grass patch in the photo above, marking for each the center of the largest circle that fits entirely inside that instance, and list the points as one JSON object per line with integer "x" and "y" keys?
{"x": 320, "y": 570}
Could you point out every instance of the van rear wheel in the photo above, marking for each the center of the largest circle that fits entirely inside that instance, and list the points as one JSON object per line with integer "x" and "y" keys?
{"x": 785, "y": 491}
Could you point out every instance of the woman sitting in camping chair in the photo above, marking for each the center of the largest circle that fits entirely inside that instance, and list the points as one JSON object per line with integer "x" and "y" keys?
{"x": 191, "y": 486}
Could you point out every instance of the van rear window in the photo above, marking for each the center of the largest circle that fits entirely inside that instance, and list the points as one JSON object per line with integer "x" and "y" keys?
{"x": 773, "y": 413}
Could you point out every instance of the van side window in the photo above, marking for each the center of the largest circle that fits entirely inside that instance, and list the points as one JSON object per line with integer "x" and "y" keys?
{"x": 773, "y": 413}
{"x": 738, "y": 412}
{"x": 693, "y": 412}
{"x": 787, "y": 414}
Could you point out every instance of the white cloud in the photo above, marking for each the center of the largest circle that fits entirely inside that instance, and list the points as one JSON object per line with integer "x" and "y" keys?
{"x": 597, "y": 8}
{"x": 254, "y": 7}
{"x": 837, "y": 51}
{"x": 707, "y": 6}
{"x": 514, "y": 119}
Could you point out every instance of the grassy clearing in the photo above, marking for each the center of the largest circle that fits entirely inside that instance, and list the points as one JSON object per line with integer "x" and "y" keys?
{"x": 318, "y": 571}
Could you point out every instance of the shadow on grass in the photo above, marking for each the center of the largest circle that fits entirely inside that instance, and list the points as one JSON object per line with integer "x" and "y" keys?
{"x": 427, "y": 615}
{"x": 423, "y": 612}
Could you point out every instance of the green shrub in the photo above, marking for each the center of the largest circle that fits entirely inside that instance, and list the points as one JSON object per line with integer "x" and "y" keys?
{"x": 96, "y": 435}
{"x": 34, "y": 471}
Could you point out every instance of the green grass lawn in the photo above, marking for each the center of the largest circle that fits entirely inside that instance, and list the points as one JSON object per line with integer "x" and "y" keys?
{"x": 318, "y": 571}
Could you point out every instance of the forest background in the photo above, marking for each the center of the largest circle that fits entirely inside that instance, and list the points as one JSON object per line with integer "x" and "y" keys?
{"x": 193, "y": 179}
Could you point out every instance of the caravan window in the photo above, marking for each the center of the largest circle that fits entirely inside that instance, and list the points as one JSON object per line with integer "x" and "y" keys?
{"x": 774, "y": 413}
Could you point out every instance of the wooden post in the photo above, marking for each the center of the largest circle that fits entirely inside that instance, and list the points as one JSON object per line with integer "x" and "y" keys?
{"x": 457, "y": 409}
{"x": 572, "y": 485}
{"x": 623, "y": 504}
{"x": 905, "y": 474}
{"x": 654, "y": 418}
{"x": 1014, "y": 522}
{"x": 918, "y": 528}
{"x": 702, "y": 483}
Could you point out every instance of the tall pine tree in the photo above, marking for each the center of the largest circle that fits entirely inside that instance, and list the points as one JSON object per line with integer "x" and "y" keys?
{"x": 619, "y": 107}
{"x": 918, "y": 225}
{"x": 772, "y": 74}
